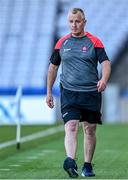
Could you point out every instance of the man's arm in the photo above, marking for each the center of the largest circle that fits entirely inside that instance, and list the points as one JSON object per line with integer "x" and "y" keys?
{"x": 106, "y": 70}
{"x": 52, "y": 73}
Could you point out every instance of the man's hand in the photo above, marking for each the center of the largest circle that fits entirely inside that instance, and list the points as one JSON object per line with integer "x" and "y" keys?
{"x": 106, "y": 70}
{"x": 101, "y": 85}
{"x": 49, "y": 101}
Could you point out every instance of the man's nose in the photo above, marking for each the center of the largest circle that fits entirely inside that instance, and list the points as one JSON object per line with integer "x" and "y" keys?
{"x": 73, "y": 24}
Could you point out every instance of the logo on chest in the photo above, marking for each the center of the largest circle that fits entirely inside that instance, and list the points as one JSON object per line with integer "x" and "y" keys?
{"x": 84, "y": 48}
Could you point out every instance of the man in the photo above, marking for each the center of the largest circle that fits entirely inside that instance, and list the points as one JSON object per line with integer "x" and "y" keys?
{"x": 78, "y": 53}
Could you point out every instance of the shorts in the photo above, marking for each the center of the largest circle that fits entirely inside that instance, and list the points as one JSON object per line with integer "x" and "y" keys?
{"x": 82, "y": 106}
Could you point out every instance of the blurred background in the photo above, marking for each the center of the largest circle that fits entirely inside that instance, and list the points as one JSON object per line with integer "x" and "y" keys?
{"x": 29, "y": 30}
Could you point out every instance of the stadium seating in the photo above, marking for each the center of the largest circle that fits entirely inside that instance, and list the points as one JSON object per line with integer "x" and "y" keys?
{"x": 26, "y": 40}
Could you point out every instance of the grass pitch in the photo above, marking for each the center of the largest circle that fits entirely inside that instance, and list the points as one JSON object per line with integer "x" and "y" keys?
{"x": 43, "y": 158}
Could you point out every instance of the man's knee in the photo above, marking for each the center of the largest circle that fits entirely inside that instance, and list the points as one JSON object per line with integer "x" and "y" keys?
{"x": 90, "y": 130}
{"x": 71, "y": 126}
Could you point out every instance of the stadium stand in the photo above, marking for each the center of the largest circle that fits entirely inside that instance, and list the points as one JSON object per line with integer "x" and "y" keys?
{"x": 120, "y": 68}
{"x": 26, "y": 39}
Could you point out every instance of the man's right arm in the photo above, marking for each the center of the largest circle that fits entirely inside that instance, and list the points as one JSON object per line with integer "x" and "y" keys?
{"x": 52, "y": 73}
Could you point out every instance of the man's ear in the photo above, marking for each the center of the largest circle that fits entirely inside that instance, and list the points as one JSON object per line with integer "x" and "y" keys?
{"x": 85, "y": 21}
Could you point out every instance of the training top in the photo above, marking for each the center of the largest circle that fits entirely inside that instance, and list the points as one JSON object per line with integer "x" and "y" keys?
{"x": 79, "y": 57}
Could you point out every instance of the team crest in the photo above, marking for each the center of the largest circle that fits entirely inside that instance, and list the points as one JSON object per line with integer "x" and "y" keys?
{"x": 84, "y": 49}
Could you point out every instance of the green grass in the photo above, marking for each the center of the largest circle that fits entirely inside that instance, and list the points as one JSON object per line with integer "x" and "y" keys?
{"x": 9, "y": 132}
{"x": 43, "y": 158}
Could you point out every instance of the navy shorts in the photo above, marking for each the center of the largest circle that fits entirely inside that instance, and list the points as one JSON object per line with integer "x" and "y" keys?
{"x": 82, "y": 106}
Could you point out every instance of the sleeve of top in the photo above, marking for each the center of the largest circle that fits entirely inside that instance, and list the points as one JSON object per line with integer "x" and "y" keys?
{"x": 101, "y": 54}
{"x": 55, "y": 57}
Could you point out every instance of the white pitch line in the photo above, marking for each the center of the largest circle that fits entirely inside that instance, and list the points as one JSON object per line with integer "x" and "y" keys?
{"x": 14, "y": 165}
{"x": 33, "y": 136}
{"x": 4, "y": 169}
{"x": 25, "y": 161}
{"x": 8, "y": 143}
{"x": 32, "y": 157}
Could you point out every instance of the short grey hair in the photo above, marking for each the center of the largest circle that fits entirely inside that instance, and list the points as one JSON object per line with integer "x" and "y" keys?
{"x": 76, "y": 10}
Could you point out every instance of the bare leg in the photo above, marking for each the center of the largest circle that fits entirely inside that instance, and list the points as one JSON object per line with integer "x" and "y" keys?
{"x": 71, "y": 130}
{"x": 89, "y": 140}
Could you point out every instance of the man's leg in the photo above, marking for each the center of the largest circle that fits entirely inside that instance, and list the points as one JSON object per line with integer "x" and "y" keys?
{"x": 89, "y": 147}
{"x": 71, "y": 130}
{"x": 89, "y": 140}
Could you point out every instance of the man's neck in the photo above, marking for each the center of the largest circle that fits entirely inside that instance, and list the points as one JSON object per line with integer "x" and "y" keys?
{"x": 78, "y": 34}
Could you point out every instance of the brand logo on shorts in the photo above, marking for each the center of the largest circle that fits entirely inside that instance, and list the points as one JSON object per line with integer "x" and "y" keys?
{"x": 65, "y": 114}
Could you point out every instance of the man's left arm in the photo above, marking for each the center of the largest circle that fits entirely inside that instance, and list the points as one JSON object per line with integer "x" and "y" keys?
{"x": 106, "y": 70}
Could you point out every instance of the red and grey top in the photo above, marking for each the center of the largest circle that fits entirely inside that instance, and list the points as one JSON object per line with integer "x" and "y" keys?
{"x": 79, "y": 57}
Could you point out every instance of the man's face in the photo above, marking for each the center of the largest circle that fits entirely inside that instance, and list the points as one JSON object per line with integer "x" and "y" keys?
{"x": 76, "y": 23}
